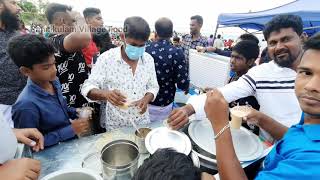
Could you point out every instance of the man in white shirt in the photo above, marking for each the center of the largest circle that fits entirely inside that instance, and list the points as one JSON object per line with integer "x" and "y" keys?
{"x": 125, "y": 78}
{"x": 218, "y": 43}
{"x": 271, "y": 83}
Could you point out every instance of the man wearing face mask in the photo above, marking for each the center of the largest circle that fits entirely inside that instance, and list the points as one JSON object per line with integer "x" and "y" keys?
{"x": 125, "y": 78}
{"x": 271, "y": 83}
{"x": 12, "y": 81}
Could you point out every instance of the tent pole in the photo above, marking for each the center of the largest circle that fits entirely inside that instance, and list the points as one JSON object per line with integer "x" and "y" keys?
{"x": 215, "y": 32}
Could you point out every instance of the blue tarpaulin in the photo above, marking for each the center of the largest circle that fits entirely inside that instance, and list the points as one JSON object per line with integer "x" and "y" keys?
{"x": 308, "y": 10}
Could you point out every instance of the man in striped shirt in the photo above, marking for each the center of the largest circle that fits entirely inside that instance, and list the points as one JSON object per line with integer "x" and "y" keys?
{"x": 271, "y": 83}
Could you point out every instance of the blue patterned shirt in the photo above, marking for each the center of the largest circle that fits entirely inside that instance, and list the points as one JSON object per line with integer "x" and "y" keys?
{"x": 171, "y": 69}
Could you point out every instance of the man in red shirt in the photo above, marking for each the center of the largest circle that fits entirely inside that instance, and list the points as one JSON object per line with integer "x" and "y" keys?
{"x": 95, "y": 22}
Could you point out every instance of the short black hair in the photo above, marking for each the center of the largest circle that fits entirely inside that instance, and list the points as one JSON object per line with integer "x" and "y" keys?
{"x": 164, "y": 28}
{"x": 176, "y": 38}
{"x": 211, "y": 36}
{"x": 249, "y": 37}
{"x": 248, "y": 49}
{"x": 90, "y": 12}
{"x": 198, "y": 18}
{"x": 265, "y": 58}
{"x": 312, "y": 43}
{"x": 102, "y": 39}
{"x": 169, "y": 165}
{"x": 54, "y": 8}
{"x": 219, "y": 36}
{"x": 283, "y": 21}
{"x": 27, "y": 50}
{"x": 137, "y": 28}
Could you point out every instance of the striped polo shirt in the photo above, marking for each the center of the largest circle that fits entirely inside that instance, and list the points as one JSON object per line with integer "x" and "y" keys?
{"x": 273, "y": 87}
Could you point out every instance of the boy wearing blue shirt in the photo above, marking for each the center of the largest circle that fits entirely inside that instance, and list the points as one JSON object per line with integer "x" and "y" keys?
{"x": 41, "y": 104}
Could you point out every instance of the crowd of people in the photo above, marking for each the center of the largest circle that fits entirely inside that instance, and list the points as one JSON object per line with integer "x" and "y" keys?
{"x": 48, "y": 81}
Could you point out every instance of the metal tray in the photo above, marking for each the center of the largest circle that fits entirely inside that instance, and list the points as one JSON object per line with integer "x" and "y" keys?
{"x": 208, "y": 162}
{"x": 248, "y": 147}
{"x": 163, "y": 137}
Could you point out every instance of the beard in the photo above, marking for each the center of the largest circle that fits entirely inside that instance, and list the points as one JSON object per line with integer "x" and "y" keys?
{"x": 10, "y": 20}
{"x": 285, "y": 61}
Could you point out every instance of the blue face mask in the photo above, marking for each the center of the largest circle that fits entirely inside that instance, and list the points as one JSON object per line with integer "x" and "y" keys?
{"x": 133, "y": 52}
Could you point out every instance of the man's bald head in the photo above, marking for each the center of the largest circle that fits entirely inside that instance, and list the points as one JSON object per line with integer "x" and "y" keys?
{"x": 136, "y": 28}
{"x": 164, "y": 27}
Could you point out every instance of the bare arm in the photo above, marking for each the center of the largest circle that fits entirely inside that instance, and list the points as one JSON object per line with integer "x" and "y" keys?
{"x": 18, "y": 169}
{"x": 228, "y": 164}
{"x": 180, "y": 116}
{"x": 97, "y": 95}
{"x": 114, "y": 97}
{"x": 31, "y": 137}
{"x": 76, "y": 41}
{"x": 80, "y": 39}
{"x": 216, "y": 109}
{"x": 274, "y": 128}
{"x": 189, "y": 109}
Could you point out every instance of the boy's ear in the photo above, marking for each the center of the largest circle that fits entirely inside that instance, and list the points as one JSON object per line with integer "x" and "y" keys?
{"x": 156, "y": 36}
{"x": 25, "y": 71}
{"x": 122, "y": 36}
{"x": 303, "y": 37}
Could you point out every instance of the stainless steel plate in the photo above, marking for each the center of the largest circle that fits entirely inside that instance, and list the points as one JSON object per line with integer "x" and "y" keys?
{"x": 203, "y": 157}
{"x": 248, "y": 147}
{"x": 206, "y": 162}
{"x": 163, "y": 137}
{"x": 76, "y": 174}
{"x": 92, "y": 161}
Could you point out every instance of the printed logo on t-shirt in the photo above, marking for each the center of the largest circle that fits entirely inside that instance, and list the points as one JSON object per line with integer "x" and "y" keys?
{"x": 71, "y": 58}
{"x": 70, "y": 77}
{"x": 73, "y": 99}
{"x": 80, "y": 87}
{"x": 63, "y": 67}
{"x": 81, "y": 68}
{"x": 65, "y": 88}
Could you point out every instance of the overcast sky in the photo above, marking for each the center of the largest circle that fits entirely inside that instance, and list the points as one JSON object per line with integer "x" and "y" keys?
{"x": 115, "y": 11}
